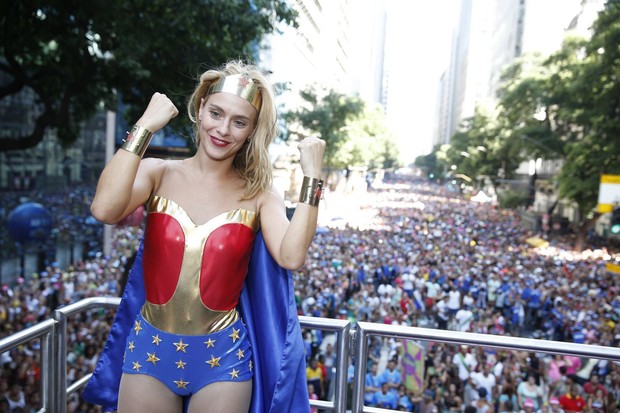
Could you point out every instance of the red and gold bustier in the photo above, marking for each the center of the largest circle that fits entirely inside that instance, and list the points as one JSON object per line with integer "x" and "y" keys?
{"x": 193, "y": 274}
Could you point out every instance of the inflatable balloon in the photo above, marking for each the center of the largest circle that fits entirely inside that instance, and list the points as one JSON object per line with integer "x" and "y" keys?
{"x": 30, "y": 222}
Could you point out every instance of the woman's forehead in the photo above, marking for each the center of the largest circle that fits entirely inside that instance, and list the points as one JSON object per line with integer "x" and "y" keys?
{"x": 231, "y": 104}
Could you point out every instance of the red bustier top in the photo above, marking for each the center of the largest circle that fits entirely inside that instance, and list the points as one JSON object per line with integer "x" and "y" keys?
{"x": 193, "y": 274}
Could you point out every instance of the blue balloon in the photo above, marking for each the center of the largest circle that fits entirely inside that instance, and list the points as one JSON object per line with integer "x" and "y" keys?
{"x": 30, "y": 222}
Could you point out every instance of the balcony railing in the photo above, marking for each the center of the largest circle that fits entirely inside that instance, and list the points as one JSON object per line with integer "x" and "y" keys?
{"x": 351, "y": 340}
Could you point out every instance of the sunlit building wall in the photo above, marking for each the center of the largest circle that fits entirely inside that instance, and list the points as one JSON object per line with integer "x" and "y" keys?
{"x": 317, "y": 52}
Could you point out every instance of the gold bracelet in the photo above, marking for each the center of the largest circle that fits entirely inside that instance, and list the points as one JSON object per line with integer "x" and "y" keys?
{"x": 311, "y": 191}
{"x": 137, "y": 140}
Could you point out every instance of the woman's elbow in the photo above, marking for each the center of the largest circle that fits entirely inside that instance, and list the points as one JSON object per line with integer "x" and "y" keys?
{"x": 293, "y": 263}
{"x": 103, "y": 214}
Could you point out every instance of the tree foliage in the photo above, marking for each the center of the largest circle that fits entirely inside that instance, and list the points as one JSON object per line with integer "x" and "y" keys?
{"x": 326, "y": 114}
{"x": 566, "y": 107}
{"x": 368, "y": 142}
{"x": 75, "y": 56}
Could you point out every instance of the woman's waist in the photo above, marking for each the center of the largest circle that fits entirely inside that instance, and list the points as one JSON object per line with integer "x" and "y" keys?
{"x": 187, "y": 318}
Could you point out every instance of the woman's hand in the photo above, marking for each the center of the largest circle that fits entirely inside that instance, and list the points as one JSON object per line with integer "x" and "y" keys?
{"x": 158, "y": 113}
{"x": 311, "y": 151}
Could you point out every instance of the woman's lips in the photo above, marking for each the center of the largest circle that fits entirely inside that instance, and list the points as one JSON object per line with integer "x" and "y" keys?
{"x": 218, "y": 142}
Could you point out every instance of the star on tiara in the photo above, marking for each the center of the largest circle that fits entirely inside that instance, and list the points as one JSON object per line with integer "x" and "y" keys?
{"x": 241, "y": 85}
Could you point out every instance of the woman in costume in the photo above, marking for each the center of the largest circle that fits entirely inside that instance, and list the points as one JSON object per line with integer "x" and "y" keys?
{"x": 188, "y": 347}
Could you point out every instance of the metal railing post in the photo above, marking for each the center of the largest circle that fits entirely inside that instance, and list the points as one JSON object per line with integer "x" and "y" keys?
{"x": 359, "y": 377}
{"x": 47, "y": 370}
{"x": 43, "y": 330}
{"x": 342, "y": 329}
{"x": 59, "y": 367}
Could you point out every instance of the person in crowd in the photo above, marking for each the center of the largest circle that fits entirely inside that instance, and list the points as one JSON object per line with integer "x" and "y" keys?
{"x": 425, "y": 403}
{"x": 404, "y": 399}
{"x": 554, "y": 405}
{"x": 313, "y": 396}
{"x": 385, "y": 398}
{"x": 451, "y": 400}
{"x": 314, "y": 376}
{"x": 373, "y": 383}
{"x": 465, "y": 362}
{"x": 593, "y": 385}
{"x": 392, "y": 376}
{"x": 572, "y": 401}
{"x": 203, "y": 215}
{"x": 529, "y": 390}
{"x": 481, "y": 404}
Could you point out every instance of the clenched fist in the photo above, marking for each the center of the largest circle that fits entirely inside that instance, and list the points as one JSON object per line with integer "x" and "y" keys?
{"x": 311, "y": 151}
{"x": 158, "y": 113}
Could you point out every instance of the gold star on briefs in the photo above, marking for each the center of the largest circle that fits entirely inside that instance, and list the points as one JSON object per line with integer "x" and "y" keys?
{"x": 136, "y": 366}
{"x": 210, "y": 343}
{"x": 156, "y": 340}
{"x": 137, "y": 327}
{"x": 240, "y": 354}
{"x": 152, "y": 358}
{"x": 215, "y": 361}
{"x": 181, "y": 346}
{"x": 234, "y": 374}
{"x": 181, "y": 384}
{"x": 131, "y": 346}
{"x": 180, "y": 364}
{"x": 234, "y": 335}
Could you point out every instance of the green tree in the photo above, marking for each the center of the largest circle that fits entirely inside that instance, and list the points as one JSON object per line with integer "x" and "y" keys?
{"x": 478, "y": 153}
{"x": 73, "y": 57}
{"x": 575, "y": 94}
{"x": 327, "y": 114}
{"x": 368, "y": 142}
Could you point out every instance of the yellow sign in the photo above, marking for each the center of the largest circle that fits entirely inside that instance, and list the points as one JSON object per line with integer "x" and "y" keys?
{"x": 537, "y": 242}
{"x": 611, "y": 267}
{"x": 608, "y": 193}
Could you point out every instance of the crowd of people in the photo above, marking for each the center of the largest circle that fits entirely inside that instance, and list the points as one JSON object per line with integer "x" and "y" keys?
{"x": 429, "y": 258}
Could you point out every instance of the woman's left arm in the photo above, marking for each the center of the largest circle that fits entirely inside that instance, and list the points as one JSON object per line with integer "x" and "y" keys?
{"x": 288, "y": 242}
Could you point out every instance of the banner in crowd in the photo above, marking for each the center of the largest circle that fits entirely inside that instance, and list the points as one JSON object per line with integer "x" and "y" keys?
{"x": 413, "y": 366}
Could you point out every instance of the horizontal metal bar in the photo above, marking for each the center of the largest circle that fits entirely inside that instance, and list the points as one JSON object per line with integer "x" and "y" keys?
{"x": 89, "y": 303}
{"x": 26, "y": 335}
{"x": 328, "y": 324}
{"x": 368, "y": 409}
{"x": 78, "y": 384}
{"x": 323, "y": 405}
{"x": 490, "y": 340}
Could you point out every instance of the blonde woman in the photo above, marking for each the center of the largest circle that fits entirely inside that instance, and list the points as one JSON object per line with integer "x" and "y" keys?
{"x": 188, "y": 347}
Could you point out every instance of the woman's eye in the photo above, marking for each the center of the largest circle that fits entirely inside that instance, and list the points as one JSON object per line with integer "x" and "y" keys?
{"x": 239, "y": 124}
{"x": 214, "y": 113}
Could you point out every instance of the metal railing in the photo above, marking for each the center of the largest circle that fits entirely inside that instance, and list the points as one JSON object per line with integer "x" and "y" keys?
{"x": 350, "y": 340}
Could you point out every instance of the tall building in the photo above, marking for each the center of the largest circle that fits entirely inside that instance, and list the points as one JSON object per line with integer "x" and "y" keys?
{"x": 489, "y": 36}
{"x": 317, "y": 52}
{"x": 465, "y": 82}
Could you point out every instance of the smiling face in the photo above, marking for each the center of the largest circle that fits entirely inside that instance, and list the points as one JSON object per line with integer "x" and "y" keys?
{"x": 226, "y": 122}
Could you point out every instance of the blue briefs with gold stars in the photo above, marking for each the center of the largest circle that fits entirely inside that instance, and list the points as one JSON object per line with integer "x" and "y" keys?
{"x": 185, "y": 363}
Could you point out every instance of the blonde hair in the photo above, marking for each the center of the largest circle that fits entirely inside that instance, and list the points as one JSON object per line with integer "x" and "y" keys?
{"x": 252, "y": 161}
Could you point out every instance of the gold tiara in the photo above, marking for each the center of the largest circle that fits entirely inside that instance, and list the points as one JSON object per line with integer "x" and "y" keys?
{"x": 240, "y": 85}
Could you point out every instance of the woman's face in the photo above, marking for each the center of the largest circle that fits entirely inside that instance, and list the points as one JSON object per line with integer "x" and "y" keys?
{"x": 226, "y": 122}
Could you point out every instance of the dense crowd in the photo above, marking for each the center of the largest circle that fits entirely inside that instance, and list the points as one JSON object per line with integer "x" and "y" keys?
{"x": 424, "y": 257}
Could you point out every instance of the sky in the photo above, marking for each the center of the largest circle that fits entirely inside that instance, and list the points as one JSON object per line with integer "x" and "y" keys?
{"x": 418, "y": 49}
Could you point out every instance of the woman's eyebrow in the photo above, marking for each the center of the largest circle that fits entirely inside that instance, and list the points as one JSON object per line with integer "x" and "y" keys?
{"x": 220, "y": 109}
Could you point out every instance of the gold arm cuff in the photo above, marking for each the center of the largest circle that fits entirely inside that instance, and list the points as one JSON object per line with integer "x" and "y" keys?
{"x": 137, "y": 140}
{"x": 311, "y": 191}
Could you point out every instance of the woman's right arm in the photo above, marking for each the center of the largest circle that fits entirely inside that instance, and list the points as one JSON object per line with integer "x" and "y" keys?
{"x": 127, "y": 180}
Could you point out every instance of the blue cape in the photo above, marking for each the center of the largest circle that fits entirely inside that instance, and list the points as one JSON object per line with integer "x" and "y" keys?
{"x": 267, "y": 306}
